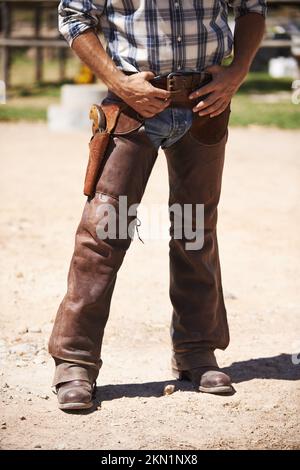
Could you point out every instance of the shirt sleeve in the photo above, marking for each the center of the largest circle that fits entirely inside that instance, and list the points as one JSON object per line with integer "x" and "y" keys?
{"x": 242, "y": 7}
{"x": 76, "y": 16}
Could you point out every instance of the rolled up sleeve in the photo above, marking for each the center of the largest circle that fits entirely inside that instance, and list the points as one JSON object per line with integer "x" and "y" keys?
{"x": 242, "y": 7}
{"x": 76, "y": 16}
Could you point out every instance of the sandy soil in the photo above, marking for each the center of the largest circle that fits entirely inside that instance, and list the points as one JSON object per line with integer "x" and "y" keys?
{"x": 41, "y": 202}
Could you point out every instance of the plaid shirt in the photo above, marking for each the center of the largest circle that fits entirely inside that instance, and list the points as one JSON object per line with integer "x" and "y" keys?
{"x": 161, "y": 36}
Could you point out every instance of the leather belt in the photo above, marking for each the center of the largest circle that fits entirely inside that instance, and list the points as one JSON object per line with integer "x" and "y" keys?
{"x": 180, "y": 85}
{"x": 178, "y": 81}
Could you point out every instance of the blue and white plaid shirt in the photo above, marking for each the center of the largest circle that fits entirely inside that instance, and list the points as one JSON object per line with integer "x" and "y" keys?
{"x": 158, "y": 35}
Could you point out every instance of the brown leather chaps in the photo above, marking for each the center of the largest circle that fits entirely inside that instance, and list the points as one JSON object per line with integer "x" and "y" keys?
{"x": 199, "y": 324}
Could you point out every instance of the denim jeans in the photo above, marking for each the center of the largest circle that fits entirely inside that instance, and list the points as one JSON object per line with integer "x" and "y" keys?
{"x": 165, "y": 128}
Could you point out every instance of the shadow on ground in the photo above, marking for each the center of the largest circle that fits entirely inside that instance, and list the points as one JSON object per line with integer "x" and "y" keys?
{"x": 277, "y": 368}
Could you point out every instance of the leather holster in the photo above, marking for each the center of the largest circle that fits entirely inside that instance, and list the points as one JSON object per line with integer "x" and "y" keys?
{"x": 108, "y": 119}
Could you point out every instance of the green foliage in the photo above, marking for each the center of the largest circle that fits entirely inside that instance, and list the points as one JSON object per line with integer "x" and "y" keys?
{"x": 11, "y": 113}
{"x": 247, "y": 112}
{"x": 260, "y": 82}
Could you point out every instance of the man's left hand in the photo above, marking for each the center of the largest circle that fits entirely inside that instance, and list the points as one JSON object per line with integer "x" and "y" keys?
{"x": 224, "y": 84}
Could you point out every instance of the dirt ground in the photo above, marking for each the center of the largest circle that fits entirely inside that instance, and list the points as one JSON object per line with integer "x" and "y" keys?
{"x": 259, "y": 219}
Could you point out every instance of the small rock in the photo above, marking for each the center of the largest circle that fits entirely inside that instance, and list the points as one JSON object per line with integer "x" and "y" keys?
{"x": 230, "y": 295}
{"x": 5, "y": 385}
{"x": 22, "y": 418}
{"x": 37, "y": 446}
{"x": 43, "y": 396}
{"x": 34, "y": 329}
{"x": 23, "y": 330}
{"x": 169, "y": 389}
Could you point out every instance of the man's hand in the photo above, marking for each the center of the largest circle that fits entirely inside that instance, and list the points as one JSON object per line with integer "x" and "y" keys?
{"x": 248, "y": 33}
{"x": 138, "y": 93}
{"x": 134, "y": 89}
{"x": 224, "y": 84}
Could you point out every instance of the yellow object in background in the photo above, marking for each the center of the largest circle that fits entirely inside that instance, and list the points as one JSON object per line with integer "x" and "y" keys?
{"x": 84, "y": 76}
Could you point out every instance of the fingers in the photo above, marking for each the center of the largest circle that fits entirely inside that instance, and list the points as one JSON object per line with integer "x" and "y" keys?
{"x": 216, "y": 108}
{"x": 156, "y": 108}
{"x": 160, "y": 104}
{"x": 159, "y": 93}
{"x": 147, "y": 75}
{"x": 147, "y": 114}
{"x": 156, "y": 92}
{"x": 149, "y": 109}
{"x": 220, "y": 110}
{"x": 210, "y": 87}
{"x": 207, "y": 102}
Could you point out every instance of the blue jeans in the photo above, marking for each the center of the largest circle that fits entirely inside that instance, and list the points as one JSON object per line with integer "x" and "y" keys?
{"x": 165, "y": 128}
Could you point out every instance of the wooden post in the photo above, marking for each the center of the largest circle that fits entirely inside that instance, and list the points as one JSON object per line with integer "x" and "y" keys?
{"x": 39, "y": 50}
{"x": 62, "y": 57}
{"x": 6, "y": 28}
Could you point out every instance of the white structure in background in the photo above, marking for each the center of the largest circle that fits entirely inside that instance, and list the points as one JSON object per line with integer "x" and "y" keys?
{"x": 2, "y": 92}
{"x": 283, "y": 67}
{"x": 295, "y": 49}
{"x": 73, "y": 112}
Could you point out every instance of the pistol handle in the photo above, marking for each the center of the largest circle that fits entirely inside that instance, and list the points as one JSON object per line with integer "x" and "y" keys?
{"x": 98, "y": 117}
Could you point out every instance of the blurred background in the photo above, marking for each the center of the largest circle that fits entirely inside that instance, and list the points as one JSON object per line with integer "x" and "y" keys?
{"x": 36, "y": 62}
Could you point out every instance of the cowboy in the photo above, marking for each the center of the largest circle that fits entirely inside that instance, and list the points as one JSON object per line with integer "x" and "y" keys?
{"x": 164, "y": 61}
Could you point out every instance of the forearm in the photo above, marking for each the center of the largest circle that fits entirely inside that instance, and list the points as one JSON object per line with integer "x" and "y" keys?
{"x": 248, "y": 34}
{"x": 89, "y": 49}
{"x": 135, "y": 90}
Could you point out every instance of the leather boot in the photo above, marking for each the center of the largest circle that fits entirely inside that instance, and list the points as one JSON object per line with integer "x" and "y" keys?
{"x": 74, "y": 385}
{"x": 207, "y": 379}
{"x": 75, "y": 395}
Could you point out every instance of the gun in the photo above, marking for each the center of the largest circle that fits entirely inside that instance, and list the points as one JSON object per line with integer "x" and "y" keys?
{"x": 104, "y": 119}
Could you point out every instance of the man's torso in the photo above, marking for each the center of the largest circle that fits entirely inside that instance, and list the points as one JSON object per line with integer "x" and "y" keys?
{"x": 166, "y": 35}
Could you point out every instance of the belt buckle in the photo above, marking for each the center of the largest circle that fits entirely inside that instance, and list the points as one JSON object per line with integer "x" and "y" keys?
{"x": 171, "y": 81}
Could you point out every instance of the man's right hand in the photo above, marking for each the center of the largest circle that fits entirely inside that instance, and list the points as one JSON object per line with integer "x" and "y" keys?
{"x": 140, "y": 95}
{"x": 134, "y": 89}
